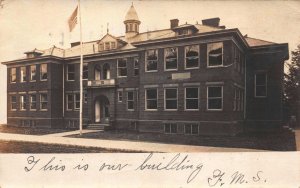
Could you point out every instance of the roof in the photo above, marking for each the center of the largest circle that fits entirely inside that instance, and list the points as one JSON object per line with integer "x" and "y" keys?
{"x": 92, "y": 47}
{"x": 257, "y": 42}
{"x": 131, "y": 14}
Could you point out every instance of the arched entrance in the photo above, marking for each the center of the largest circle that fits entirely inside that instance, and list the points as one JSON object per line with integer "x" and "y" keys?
{"x": 101, "y": 109}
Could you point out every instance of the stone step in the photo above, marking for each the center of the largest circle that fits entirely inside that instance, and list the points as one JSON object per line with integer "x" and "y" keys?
{"x": 97, "y": 126}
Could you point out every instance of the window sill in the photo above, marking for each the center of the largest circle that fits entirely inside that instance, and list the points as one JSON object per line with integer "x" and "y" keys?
{"x": 32, "y": 80}
{"x": 43, "y": 80}
{"x": 13, "y": 110}
{"x": 171, "y": 110}
{"x": 70, "y": 80}
{"x": 151, "y": 110}
{"x": 32, "y": 110}
{"x": 170, "y": 70}
{"x": 151, "y": 71}
{"x": 122, "y": 77}
{"x": 190, "y": 134}
{"x": 214, "y": 110}
{"x": 129, "y": 110}
{"x": 171, "y": 133}
{"x": 191, "y": 110}
{"x": 192, "y": 68}
{"x": 260, "y": 97}
{"x": 44, "y": 110}
{"x": 216, "y": 66}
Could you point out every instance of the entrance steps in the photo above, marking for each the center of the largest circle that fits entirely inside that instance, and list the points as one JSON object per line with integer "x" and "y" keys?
{"x": 97, "y": 126}
{"x": 289, "y": 129}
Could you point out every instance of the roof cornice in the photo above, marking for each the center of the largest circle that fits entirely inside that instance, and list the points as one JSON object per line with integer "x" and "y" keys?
{"x": 212, "y": 33}
{"x": 25, "y": 60}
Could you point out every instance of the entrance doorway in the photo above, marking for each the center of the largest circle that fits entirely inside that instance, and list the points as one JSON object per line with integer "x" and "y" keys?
{"x": 101, "y": 110}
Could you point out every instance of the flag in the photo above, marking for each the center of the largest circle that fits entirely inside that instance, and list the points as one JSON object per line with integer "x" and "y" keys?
{"x": 73, "y": 19}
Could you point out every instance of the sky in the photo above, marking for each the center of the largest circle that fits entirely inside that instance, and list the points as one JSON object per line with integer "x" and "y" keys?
{"x": 29, "y": 24}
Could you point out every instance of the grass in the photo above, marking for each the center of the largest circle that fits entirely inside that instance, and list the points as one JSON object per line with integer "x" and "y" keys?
{"x": 29, "y": 130}
{"x": 276, "y": 141}
{"x": 30, "y": 147}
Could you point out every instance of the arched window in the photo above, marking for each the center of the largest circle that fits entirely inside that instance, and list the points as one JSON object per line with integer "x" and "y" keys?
{"x": 130, "y": 27}
{"x": 97, "y": 72}
{"x": 106, "y": 71}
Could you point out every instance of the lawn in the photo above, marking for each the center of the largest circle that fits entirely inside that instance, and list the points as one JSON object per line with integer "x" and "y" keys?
{"x": 29, "y": 147}
{"x": 276, "y": 141}
{"x": 29, "y": 130}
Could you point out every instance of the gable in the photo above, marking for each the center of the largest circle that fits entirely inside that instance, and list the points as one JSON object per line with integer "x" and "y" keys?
{"x": 109, "y": 42}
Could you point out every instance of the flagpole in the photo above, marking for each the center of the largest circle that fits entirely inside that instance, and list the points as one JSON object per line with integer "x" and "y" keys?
{"x": 81, "y": 70}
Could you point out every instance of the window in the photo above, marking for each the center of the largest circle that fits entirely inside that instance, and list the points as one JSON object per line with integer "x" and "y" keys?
{"x": 151, "y": 60}
{"x": 44, "y": 101}
{"x": 122, "y": 67}
{"x": 214, "y": 97}
{"x": 130, "y": 100}
{"x": 242, "y": 101}
{"x": 13, "y": 103}
{"x": 170, "y": 128}
{"x": 71, "y": 72}
{"x": 235, "y": 100}
{"x": 171, "y": 59}
{"x": 238, "y": 102}
{"x": 13, "y": 76}
{"x": 107, "y": 46}
{"x": 85, "y": 97}
{"x": 23, "y": 74}
{"x": 191, "y": 98}
{"x": 238, "y": 60}
{"x": 183, "y": 32}
{"x": 215, "y": 54}
{"x": 32, "y": 102}
{"x": 120, "y": 96}
{"x": 136, "y": 66}
{"x": 191, "y": 56}
{"x": 171, "y": 99}
{"x": 101, "y": 47}
{"x": 33, "y": 73}
{"x": 85, "y": 71}
{"x": 261, "y": 84}
{"x": 23, "y": 102}
{"x": 191, "y": 128}
{"x": 113, "y": 45}
{"x": 151, "y": 99}
{"x": 77, "y": 101}
{"x": 43, "y": 72}
{"x": 106, "y": 71}
{"x": 70, "y": 101}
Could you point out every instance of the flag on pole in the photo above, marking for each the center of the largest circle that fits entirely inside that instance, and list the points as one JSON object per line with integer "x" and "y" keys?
{"x": 73, "y": 19}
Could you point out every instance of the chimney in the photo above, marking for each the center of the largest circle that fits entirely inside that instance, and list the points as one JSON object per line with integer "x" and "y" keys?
{"x": 213, "y": 22}
{"x": 75, "y": 44}
{"x": 174, "y": 23}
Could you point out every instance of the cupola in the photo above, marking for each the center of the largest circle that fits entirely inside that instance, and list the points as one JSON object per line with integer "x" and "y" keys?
{"x": 131, "y": 22}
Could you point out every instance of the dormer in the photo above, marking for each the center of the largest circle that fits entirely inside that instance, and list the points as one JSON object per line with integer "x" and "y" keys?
{"x": 132, "y": 23}
{"x": 109, "y": 42}
{"x": 186, "y": 29}
{"x": 34, "y": 53}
